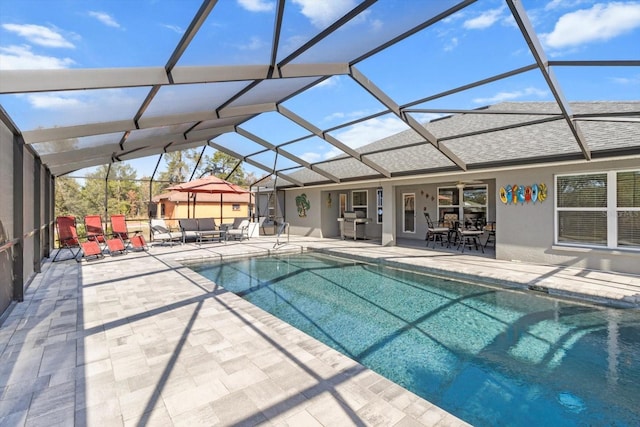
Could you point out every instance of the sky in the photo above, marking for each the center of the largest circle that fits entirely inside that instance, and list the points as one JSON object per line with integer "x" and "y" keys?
{"x": 480, "y": 41}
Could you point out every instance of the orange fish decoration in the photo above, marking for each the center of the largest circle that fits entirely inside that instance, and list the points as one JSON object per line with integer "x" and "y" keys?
{"x": 527, "y": 194}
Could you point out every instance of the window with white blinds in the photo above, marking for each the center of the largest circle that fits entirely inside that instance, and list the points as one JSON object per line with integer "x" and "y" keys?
{"x": 599, "y": 209}
{"x": 628, "y": 208}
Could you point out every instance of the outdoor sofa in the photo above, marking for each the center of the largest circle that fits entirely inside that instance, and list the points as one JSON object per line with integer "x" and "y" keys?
{"x": 199, "y": 229}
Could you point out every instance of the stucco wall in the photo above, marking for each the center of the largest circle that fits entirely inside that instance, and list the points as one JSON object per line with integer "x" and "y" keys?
{"x": 311, "y": 224}
{"x": 526, "y": 232}
{"x": 427, "y": 201}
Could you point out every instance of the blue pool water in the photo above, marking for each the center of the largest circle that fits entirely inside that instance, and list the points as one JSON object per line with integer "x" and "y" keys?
{"x": 490, "y": 356}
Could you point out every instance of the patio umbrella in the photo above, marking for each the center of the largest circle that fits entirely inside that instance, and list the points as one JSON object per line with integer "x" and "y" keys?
{"x": 210, "y": 185}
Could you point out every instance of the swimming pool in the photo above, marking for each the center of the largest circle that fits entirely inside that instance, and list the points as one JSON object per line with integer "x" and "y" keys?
{"x": 488, "y": 355}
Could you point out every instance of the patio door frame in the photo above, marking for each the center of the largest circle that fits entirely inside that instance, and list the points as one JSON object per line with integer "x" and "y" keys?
{"x": 405, "y": 197}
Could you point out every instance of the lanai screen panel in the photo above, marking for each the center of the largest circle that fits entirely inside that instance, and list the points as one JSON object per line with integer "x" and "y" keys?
{"x": 609, "y": 135}
{"x": 348, "y": 168}
{"x": 379, "y": 24}
{"x": 318, "y": 104}
{"x": 238, "y": 144}
{"x": 430, "y": 61}
{"x": 602, "y": 81}
{"x": 233, "y": 35}
{"x": 189, "y": 98}
{"x": 421, "y": 157}
{"x": 300, "y": 24}
{"x": 373, "y": 132}
{"x": 273, "y": 91}
{"x": 157, "y": 136}
{"x": 553, "y": 139}
{"x": 313, "y": 149}
{"x": 220, "y": 123}
{"x": 74, "y": 144}
{"x": 71, "y": 108}
{"x": 274, "y": 128}
{"x": 305, "y": 176}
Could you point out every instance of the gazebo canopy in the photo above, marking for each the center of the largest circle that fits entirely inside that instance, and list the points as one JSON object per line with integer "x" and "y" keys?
{"x": 258, "y": 80}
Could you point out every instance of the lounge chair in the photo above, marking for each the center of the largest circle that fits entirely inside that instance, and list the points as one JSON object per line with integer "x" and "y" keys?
{"x": 68, "y": 239}
{"x": 131, "y": 239}
{"x": 67, "y": 236}
{"x": 95, "y": 232}
{"x": 240, "y": 232}
{"x": 161, "y": 233}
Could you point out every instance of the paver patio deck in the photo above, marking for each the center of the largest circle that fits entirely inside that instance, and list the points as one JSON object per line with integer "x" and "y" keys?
{"x": 141, "y": 340}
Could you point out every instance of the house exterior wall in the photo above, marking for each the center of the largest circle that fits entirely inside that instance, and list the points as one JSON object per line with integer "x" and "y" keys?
{"x": 311, "y": 224}
{"x": 427, "y": 202}
{"x": 525, "y": 232}
{"x": 174, "y": 211}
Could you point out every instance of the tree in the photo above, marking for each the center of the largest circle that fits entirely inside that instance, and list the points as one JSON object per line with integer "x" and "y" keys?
{"x": 223, "y": 164}
{"x": 122, "y": 190}
{"x": 180, "y": 166}
{"x": 67, "y": 200}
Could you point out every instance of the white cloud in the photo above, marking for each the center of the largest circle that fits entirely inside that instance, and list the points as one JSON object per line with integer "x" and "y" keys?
{"x": 507, "y": 96}
{"x": 600, "y": 23}
{"x": 485, "y": 20}
{"x": 370, "y": 131}
{"x": 312, "y": 157}
{"x": 257, "y": 5}
{"x": 254, "y": 44}
{"x": 453, "y": 43}
{"x": 330, "y": 82}
{"x": 37, "y": 34}
{"x": 563, "y": 4}
{"x": 339, "y": 115}
{"x": 174, "y": 28}
{"x": 626, "y": 80}
{"x": 105, "y": 18}
{"x": 325, "y": 12}
{"x": 22, "y": 58}
{"x": 48, "y": 102}
{"x": 334, "y": 116}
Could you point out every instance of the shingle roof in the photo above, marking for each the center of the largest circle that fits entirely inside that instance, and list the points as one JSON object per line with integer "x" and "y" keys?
{"x": 481, "y": 139}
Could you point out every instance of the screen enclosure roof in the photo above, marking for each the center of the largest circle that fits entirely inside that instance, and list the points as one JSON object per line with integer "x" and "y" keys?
{"x": 359, "y": 90}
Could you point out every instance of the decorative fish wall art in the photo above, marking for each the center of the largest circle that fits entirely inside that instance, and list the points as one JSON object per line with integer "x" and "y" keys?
{"x": 514, "y": 194}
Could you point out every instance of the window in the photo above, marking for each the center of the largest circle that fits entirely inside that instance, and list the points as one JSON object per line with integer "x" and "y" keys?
{"x": 235, "y": 207}
{"x": 359, "y": 201}
{"x": 628, "y": 208}
{"x": 464, "y": 201}
{"x": 599, "y": 209}
{"x": 379, "y": 204}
